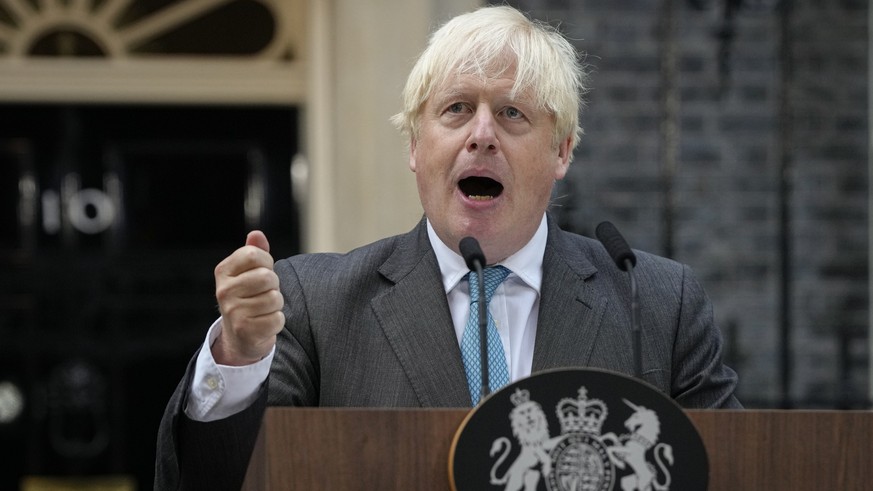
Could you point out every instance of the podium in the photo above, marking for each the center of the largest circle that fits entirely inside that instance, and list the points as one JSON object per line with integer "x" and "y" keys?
{"x": 364, "y": 449}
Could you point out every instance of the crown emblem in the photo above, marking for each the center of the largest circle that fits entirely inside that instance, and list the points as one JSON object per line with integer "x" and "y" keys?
{"x": 581, "y": 415}
{"x": 519, "y": 397}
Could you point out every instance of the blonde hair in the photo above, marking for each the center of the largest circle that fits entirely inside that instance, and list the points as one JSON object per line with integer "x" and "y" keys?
{"x": 489, "y": 42}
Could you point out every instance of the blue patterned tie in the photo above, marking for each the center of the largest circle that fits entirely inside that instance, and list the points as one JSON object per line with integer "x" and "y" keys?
{"x": 498, "y": 372}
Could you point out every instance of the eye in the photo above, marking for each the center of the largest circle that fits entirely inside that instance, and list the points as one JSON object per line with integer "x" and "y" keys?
{"x": 457, "y": 107}
{"x": 513, "y": 113}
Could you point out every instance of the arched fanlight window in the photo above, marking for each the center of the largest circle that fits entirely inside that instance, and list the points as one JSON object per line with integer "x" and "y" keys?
{"x": 159, "y": 50}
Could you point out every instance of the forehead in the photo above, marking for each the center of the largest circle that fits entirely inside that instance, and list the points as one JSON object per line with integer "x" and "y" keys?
{"x": 476, "y": 64}
{"x": 504, "y": 87}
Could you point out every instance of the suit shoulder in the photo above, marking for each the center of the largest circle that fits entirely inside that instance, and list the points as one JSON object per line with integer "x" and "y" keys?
{"x": 580, "y": 249}
{"x": 365, "y": 256}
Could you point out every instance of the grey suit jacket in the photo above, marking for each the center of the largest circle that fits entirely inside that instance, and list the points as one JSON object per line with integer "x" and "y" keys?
{"x": 373, "y": 328}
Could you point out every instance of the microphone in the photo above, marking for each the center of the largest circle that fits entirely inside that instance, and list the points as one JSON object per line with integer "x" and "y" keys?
{"x": 616, "y": 246}
{"x": 472, "y": 253}
{"x": 475, "y": 260}
{"x": 626, "y": 260}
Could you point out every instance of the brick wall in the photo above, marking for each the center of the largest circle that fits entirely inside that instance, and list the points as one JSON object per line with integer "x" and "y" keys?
{"x": 789, "y": 99}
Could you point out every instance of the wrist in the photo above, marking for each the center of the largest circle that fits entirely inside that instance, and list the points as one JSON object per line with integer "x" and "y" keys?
{"x": 228, "y": 353}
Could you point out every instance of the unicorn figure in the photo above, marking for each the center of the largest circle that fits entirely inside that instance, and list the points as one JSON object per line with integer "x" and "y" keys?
{"x": 630, "y": 450}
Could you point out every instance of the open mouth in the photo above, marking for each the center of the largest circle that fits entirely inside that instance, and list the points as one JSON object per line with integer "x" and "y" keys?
{"x": 480, "y": 188}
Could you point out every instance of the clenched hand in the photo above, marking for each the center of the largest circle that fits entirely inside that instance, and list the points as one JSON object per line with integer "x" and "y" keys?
{"x": 248, "y": 296}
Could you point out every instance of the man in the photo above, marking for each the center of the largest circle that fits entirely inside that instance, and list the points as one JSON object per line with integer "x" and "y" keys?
{"x": 491, "y": 110}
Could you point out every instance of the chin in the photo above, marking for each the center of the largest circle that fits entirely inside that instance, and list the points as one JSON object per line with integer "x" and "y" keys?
{"x": 483, "y": 232}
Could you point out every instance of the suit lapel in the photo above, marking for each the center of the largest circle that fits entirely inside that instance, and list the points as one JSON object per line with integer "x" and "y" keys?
{"x": 571, "y": 311}
{"x": 414, "y": 315}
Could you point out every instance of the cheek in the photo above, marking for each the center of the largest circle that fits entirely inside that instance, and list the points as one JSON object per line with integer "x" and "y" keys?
{"x": 431, "y": 162}
{"x": 427, "y": 179}
{"x": 540, "y": 179}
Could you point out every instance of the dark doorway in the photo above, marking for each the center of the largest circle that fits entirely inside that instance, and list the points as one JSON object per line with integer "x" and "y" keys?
{"x": 112, "y": 219}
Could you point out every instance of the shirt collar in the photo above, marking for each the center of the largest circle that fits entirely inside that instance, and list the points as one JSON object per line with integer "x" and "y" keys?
{"x": 526, "y": 264}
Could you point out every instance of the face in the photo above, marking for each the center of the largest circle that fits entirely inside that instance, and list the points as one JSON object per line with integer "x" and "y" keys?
{"x": 485, "y": 164}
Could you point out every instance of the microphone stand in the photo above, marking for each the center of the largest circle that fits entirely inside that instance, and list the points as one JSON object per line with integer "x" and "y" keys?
{"x": 475, "y": 260}
{"x": 623, "y": 257}
{"x": 483, "y": 333}
{"x": 636, "y": 336}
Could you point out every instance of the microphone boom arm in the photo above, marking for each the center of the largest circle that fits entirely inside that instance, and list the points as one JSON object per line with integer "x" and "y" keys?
{"x": 475, "y": 260}
{"x": 483, "y": 334}
{"x": 624, "y": 257}
{"x": 636, "y": 334}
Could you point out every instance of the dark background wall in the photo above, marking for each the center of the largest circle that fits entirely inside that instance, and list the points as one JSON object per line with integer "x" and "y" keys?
{"x": 732, "y": 140}
{"x": 732, "y": 135}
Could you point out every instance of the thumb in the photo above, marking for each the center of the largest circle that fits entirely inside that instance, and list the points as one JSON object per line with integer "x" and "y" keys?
{"x": 258, "y": 239}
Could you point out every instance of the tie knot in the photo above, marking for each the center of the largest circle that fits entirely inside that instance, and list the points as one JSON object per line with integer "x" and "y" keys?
{"x": 493, "y": 276}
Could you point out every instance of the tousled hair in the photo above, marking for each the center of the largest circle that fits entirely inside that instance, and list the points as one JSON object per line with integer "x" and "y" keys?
{"x": 492, "y": 41}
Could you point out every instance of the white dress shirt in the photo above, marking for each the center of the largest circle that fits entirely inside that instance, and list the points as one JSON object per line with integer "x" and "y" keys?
{"x": 218, "y": 391}
{"x": 515, "y": 304}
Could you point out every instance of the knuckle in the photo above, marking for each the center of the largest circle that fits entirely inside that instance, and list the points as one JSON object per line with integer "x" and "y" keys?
{"x": 231, "y": 312}
{"x": 249, "y": 253}
{"x": 278, "y": 320}
{"x": 262, "y": 275}
{"x": 254, "y": 255}
{"x": 222, "y": 293}
{"x": 273, "y": 279}
{"x": 277, "y": 301}
{"x": 220, "y": 269}
{"x": 266, "y": 279}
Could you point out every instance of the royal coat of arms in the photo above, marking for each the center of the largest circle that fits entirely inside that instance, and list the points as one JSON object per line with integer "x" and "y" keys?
{"x": 578, "y": 429}
{"x": 581, "y": 458}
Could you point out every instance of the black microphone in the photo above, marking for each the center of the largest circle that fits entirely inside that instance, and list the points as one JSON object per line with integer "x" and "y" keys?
{"x": 616, "y": 246}
{"x": 625, "y": 259}
{"x": 475, "y": 259}
{"x": 472, "y": 253}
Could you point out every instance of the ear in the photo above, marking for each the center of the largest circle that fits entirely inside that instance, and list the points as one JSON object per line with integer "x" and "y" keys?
{"x": 412, "y": 148}
{"x": 562, "y": 158}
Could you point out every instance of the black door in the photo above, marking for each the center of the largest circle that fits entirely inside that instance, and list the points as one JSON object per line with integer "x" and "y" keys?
{"x": 112, "y": 219}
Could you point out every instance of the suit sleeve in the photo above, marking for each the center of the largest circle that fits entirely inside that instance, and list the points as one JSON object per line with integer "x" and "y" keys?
{"x": 215, "y": 455}
{"x": 700, "y": 377}
{"x": 196, "y": 455}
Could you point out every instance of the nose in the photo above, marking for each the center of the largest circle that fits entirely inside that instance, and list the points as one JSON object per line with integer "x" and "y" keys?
{"x": 483, "y": 134}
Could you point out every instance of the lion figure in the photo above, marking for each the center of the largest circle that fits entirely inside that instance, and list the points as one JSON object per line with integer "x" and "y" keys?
{"x": 531, "y": 429}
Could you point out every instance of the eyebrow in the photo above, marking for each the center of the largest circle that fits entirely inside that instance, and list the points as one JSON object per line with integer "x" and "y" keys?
{"x": 455, "y": 93}
{"x": 448, "y": 94}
